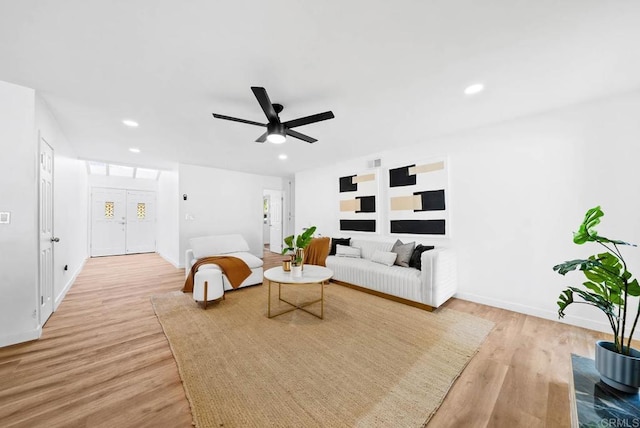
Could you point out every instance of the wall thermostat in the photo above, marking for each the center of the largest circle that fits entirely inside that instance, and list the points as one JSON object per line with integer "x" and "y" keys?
{"x": 5, "y": 217}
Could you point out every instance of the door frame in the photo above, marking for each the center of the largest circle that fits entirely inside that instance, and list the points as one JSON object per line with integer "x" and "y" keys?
{"x": 271, "y": 193}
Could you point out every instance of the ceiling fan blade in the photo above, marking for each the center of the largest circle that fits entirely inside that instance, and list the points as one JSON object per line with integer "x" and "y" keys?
{"x": 235, "y": 119}
{"x": 262, "y": 138}
{"x": 309, "y": 119}
{"x": 300, "y": 136}
{"x": 265, "y": 103}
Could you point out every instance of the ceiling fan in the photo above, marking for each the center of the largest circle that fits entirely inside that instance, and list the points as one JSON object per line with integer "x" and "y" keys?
{"x": 277, "y": 130}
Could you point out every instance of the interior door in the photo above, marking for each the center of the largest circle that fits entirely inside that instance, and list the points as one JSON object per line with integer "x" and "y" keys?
{"x": 141, "y": 222}
{"x": 45, "y": 217}
{"x": 275, "y": 221}
{"x": 108, "y": 221}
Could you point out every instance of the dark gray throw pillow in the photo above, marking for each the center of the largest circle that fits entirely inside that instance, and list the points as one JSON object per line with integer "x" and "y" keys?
{"x": 416, "y": 256}
{"x": 403, "y": 251}
{"x": 336, "y": 241}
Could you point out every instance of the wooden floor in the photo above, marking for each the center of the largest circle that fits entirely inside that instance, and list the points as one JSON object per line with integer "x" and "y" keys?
{"x": 103, "y": 361}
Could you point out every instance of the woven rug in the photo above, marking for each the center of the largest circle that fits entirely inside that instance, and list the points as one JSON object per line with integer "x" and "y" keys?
{"x": 370, "y": 362}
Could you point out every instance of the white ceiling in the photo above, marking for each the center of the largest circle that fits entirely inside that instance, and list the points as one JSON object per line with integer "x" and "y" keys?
{"x": 393, "y": 72}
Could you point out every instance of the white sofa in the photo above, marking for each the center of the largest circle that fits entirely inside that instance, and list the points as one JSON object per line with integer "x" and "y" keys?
{"x": 219, "y": 245}
{"x": 431, "y": 286}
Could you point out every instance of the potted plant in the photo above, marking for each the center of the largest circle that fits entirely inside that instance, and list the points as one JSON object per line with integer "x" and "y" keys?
{"x": 295, "y": 246}
{"x": 609, "y": 287}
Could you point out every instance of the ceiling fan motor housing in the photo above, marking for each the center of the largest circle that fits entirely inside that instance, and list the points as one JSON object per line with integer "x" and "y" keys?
{"x": 275, "y": 128}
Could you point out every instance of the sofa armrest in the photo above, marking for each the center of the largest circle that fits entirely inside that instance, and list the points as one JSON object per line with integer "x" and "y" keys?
{"x": 188, "y": 261}
{"x": 439, "y": 276}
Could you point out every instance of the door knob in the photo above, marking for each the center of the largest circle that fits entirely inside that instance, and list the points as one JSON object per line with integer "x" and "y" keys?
{"x": 55, "y": 239}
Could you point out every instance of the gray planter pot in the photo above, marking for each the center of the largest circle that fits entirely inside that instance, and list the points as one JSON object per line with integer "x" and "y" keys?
{"x": 621, "y": 372}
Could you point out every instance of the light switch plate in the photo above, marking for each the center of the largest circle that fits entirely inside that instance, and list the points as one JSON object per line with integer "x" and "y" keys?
{"x": 5, "y": 217}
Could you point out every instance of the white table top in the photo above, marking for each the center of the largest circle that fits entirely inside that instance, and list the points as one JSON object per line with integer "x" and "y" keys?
{"x": 310, "y": 274}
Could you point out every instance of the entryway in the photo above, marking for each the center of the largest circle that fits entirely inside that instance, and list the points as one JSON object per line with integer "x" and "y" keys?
{"x": 122, "y": 221}
{"x": 273, "y": 220}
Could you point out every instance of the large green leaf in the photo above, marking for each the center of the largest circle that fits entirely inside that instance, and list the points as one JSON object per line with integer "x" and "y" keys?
{"x": 567, "y": 297}
{"x": 570, "y": 265}
{"x": 305, "y": 237}
{"x": 586, "y": 232}
{"x": 596, "y": 288}
{"x": 289, "y": 245}
{"x": 633, "y": 288}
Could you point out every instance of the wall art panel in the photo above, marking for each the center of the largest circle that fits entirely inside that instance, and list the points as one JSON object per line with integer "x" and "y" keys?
{"x": 358, "y": 202}
{"x": 418, "y": 194}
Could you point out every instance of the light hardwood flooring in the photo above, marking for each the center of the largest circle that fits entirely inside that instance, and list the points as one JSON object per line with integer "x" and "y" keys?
{"x": 103, "y": 360}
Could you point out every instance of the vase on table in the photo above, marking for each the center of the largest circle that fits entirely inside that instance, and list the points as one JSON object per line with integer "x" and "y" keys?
{"x": 300, "y": 256}
{"x": 296, "y": 271}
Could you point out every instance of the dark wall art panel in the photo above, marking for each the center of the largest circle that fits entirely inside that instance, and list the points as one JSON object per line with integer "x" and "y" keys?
{"x": 419, "y": 227}
{"x": 358, "y": 225}
{"x": 347, "y": 184}
{"x": 367, "y": 204}
{"x": 400, "y": 177}
{"x": 432, "y": 200}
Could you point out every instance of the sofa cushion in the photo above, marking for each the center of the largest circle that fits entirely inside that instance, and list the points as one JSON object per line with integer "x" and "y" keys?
{"x": 216, "y": 245}
{"x": 336, "y": 241}
{"x": 346, "y": 251}
{"x": 384, "y": 257}
{"x": 416, "y": 256}
{"x": 368, "y": 247}
{"x": 404, "y": 252}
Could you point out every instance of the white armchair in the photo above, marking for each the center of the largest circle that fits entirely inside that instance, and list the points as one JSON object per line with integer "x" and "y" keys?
{"x": 219, "y": 245}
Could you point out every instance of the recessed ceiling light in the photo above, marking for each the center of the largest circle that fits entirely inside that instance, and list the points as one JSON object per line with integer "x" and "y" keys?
{"x": 282, "y": 156}
{"x": 134, "y": 150}
{"x": 130, "y": 123}
{"x": 474, "y": 89}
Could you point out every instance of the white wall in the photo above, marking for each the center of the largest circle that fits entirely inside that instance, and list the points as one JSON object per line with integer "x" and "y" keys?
{"x": 123, "y": 182}
{"x": 18, "y": 195}
{"x": 70, "y": 204}
{"x": 168, "y": 236}
{"x": 220, "y": 202}
{"x": 517, "y": 191}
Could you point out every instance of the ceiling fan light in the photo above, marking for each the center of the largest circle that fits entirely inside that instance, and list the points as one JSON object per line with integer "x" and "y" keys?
{"x": 276, "y": 138}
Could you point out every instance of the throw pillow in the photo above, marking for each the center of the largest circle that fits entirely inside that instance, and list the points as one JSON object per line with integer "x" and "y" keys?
{"x": 416, "y": 256}
{"x": 346, "y": 251}
{"x": 384, "y": 257}
{"x": 336, "y": 241}
{"x": 403, "y": 251}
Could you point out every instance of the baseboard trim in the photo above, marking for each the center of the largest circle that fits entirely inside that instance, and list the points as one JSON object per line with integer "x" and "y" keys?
{"x": 170, "y": 260}
{"x": 58, "y": 300}
{"x": 25, "y": 336}
{"x": 386, "y": 296}
{"x": 536, "y": 312}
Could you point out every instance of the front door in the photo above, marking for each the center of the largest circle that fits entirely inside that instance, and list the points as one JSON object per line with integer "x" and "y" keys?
{"x": 141, "y": 222}
{"x": 108, "y": 221}
{"x": 45, "y": 223}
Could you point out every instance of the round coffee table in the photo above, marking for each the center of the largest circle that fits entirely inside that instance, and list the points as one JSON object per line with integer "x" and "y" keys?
{"x": 311, "y": 274}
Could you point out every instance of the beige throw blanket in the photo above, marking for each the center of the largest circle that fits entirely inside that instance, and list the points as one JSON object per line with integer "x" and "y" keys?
{"x": 234, "y": 268}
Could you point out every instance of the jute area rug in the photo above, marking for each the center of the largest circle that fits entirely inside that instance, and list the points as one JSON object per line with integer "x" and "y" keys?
{"x": 370, "y": 363}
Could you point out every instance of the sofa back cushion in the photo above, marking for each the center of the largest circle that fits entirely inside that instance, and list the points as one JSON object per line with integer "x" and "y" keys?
{"x": 336, "y": 241}
{"x": 367, "y": 248}
{"x": 384, "y": 257}
{"x": 347, "y": 251}
{"x": 204, "y": 246}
